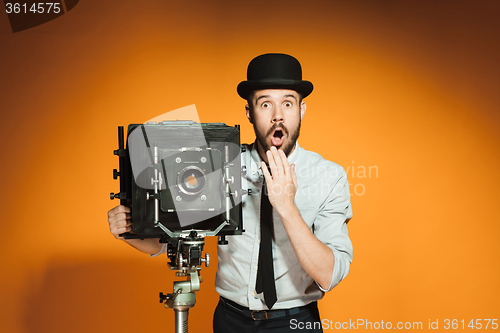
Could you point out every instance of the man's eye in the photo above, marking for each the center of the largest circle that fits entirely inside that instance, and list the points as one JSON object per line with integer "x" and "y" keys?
{"x": 266, "y": 105}
{"x": 288, "y": 104}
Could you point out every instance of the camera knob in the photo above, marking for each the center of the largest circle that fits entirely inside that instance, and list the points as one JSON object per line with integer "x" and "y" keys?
{"x": 163, "y": 297}
{"x": 223, "y": 240}
{"x": 206, "y": 260}
{"x": 118, "y": 195}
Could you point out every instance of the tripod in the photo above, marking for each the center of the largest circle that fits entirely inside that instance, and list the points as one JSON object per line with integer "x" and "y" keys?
{"x": 183, "y": 298}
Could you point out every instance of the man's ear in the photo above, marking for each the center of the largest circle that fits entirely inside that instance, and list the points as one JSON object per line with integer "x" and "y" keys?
{"x": 303, "y": 108}
{"x": 248, "y": 112}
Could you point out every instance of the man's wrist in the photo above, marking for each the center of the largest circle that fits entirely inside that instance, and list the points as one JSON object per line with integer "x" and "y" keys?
{"x": 289, "y": 213}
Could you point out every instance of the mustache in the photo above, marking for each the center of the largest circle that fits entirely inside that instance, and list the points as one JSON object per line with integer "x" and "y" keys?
{"x": 275, "y": 126}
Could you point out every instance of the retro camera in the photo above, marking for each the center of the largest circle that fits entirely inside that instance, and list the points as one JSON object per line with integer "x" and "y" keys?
{"x": 182, "y": 181}
{"x": 180, "y": 176}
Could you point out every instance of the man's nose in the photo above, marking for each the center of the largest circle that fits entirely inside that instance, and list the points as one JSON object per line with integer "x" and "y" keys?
{"x": 278, "y": 115}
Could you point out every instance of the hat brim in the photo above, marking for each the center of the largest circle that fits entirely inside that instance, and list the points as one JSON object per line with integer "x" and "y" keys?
{"x": 302, "y": 87}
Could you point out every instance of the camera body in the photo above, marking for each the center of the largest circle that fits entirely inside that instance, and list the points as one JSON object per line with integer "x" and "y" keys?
{"x": 179, "y": 176}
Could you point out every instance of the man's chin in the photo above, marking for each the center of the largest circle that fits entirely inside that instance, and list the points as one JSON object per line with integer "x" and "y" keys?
{"x": 281, "y": 146}
{"x": 286, "y": 147}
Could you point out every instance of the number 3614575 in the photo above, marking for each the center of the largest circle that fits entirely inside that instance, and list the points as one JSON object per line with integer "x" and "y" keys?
{"x": 35, "y": 8}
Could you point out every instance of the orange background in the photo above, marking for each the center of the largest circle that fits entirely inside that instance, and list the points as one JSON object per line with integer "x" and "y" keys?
{"x": 409, "y": 88}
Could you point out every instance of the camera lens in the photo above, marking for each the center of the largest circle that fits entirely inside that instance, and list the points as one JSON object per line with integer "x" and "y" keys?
{"x": 191, "y": 180}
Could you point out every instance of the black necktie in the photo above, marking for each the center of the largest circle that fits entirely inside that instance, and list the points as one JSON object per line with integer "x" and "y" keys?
{"x": 265, "y": 272}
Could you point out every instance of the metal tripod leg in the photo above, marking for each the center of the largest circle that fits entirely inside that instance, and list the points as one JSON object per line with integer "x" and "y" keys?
{"x": 182, "y": 300}
{"x": 182, "y": 311}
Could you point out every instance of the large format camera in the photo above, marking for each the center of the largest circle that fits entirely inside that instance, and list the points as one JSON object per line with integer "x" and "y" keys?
{"x": 182, "y": 181}
{"x": 180, "y": 176}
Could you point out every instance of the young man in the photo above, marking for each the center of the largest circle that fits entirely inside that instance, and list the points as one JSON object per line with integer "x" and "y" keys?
{"x": 295, "y": 246}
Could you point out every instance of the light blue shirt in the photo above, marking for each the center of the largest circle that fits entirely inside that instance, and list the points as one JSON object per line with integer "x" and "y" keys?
{"x": 323, "y": 200}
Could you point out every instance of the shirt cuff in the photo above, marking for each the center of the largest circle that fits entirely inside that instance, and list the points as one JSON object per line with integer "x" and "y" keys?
{"x": 163, "y": 249}
{"x": 340, "y": 270}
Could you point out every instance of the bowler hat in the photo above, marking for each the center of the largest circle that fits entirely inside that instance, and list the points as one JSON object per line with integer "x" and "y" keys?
{"x": 274, "y": 71}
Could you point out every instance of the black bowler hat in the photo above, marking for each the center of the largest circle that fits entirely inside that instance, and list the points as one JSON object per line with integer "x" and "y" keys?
{"x": 274, "y": 70}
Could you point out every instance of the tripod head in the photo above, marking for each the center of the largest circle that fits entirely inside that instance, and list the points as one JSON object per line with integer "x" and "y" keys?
{"x": 186, "y": 256}
{"x": 185, "y": 253}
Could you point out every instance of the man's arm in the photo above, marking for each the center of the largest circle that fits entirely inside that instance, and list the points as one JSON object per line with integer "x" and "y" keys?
{"x": 316, "y": 258}
{"x": 119, "y": 222}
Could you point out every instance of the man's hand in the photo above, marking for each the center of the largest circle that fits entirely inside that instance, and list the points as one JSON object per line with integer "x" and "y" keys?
{"x": 282, "y": 184}
{"x": 119, "y": 221}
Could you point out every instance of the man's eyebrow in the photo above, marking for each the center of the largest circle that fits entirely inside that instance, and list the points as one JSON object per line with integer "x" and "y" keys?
{"x": 290, "y": 95}
{"x": 260, "y": 97}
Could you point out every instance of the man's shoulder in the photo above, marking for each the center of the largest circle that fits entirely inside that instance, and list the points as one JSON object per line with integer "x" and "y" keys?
{"x": 312, "y": 160}
{"x": 246, "y": 146}
{"x": 246, "y": 149}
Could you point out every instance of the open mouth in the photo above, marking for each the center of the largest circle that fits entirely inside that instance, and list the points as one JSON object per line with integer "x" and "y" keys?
{"x": 278, "y": 137}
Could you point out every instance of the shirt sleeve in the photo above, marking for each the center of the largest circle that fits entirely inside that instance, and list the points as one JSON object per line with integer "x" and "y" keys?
{"x": 164, "y": 247}
{"x": 330, "y": 227}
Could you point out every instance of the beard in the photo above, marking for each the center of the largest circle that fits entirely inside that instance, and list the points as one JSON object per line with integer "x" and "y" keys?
{"x": 286, "y": 147}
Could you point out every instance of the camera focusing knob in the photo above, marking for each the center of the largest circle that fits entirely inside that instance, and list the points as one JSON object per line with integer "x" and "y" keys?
{"x": 120, "y": 152}
{"x": 152, "y": 196}
{"x": 206, "y": 260}
{"x": 118, "y": 195}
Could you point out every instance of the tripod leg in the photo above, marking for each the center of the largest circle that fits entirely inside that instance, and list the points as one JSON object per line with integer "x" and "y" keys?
{"x": 181, "y": 321}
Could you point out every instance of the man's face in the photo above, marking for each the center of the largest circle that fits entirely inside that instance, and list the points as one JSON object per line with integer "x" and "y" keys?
{"x": 276, "y": 115}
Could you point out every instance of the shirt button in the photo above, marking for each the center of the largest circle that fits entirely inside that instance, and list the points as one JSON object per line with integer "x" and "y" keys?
{"x": 253, "y": 294}
{"x": 256, "y": 268}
